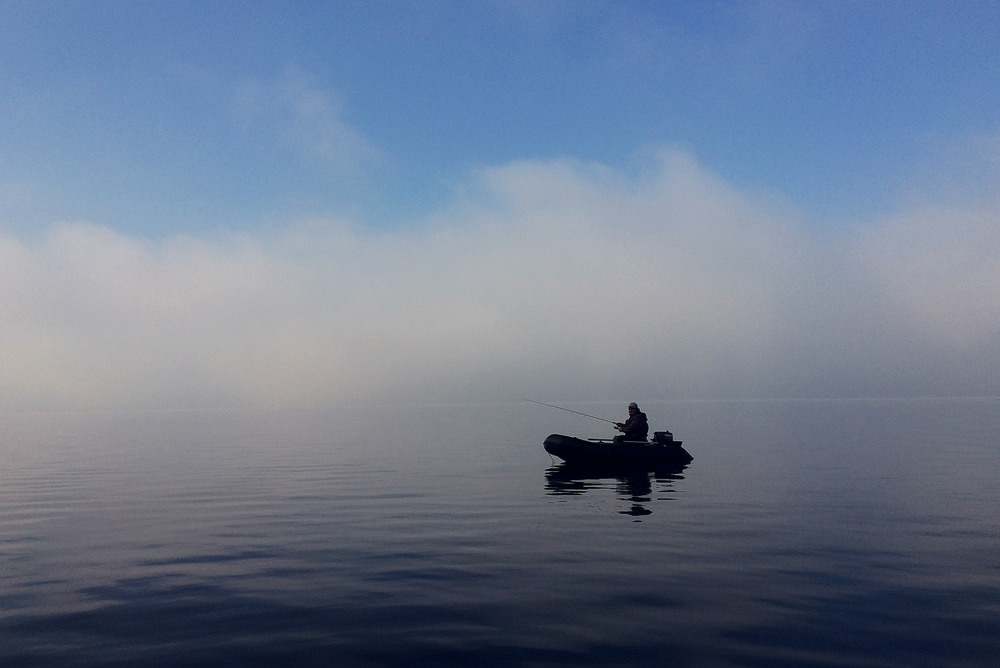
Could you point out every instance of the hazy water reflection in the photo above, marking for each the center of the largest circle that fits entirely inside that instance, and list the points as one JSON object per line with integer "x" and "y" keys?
{"x": 804, "y": 533}
{"x": 637, "y": 487}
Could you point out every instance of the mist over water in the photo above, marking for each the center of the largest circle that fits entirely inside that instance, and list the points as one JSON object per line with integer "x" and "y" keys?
{"x": 803, "y": 533}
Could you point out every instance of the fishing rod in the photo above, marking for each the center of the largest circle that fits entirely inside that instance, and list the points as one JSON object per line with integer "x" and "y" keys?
{"x": 542, "y": 403}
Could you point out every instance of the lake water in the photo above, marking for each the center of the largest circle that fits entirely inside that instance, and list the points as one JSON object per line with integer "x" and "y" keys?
{"x": 804, "y": 533}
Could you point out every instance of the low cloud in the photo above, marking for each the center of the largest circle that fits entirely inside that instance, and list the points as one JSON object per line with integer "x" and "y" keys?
{"x": 550, "y": 279}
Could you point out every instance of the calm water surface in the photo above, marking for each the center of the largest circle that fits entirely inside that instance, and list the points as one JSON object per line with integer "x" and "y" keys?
{"x": 805, "y": 533}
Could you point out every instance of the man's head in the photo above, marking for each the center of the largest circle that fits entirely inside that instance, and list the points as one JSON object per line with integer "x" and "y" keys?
{"x": 633, "y": 408}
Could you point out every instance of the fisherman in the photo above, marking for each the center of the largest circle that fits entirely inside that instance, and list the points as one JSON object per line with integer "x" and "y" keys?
{"x": 635, "y": 428}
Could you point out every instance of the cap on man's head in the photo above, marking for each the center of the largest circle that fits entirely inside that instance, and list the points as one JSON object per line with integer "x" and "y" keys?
{"x": 634, "y": 405}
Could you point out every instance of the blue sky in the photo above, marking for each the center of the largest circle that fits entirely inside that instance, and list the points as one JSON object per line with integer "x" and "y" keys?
{"x": 820, "y": 176}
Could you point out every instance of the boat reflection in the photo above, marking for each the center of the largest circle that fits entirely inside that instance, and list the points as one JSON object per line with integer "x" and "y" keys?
{"x": 634, "y": 485}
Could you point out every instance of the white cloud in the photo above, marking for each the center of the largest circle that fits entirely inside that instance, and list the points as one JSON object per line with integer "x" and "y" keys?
{"x": 941, "y": 268}
{"x": 554, "y": 279}
{"x": 304, "y": 116}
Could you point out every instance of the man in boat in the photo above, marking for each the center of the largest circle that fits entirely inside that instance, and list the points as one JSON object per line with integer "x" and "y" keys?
{"x": 635, "y": 428}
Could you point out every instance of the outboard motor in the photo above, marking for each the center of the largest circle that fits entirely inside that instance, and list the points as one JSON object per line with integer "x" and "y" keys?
{"x": 663, "y": 437}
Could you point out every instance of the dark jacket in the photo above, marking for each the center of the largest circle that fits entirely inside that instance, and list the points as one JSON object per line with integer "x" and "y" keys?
{"x": 636, "y": 427}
